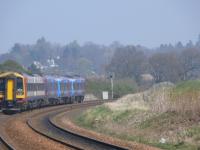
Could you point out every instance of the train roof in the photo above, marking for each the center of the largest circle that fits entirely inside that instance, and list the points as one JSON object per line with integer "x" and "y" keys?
{"x": 11, "y": 74}
{"x": 16, "y": 74}
{"x": 64, "y": 78}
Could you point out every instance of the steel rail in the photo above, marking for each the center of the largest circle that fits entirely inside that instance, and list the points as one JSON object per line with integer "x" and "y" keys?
{"x": 62, "y": 136}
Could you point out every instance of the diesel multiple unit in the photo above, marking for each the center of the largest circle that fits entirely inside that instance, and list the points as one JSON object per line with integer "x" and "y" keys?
{"x": 22, "y": 92}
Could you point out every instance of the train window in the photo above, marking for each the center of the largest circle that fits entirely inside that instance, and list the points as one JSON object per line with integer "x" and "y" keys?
{"x": 41, "y": 86}
{"x": 64, "y": 86}
{"x": 68, "y": 86}
{"x": 2, "y": 84}
{"x": 61, "y": 86}
{"x": 76, "y": 85}
{"x": 79, "y": 85}
{"x": 28, "y": 87}
{"x": 31, "y": 87}
{"x": 19, "y": 86}
{"x": 36, "y": 86}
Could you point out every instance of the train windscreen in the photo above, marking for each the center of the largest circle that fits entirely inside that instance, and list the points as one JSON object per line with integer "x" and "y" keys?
{"x": 2, "y": 84}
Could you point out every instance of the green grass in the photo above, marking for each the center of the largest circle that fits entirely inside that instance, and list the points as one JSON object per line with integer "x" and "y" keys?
{"x": 121, "y": 87}
{"x": 193, "y": 133}
{"x": 91, "y": 116}
{"x": 187, "y": 86}
{"x": 96, "y": 118}
{"x": 174, "y": 146}
{"x": 101, "y": 114}
{"x": 167, "y": 146}
{"x": 160, "y": 120}
{"x": 141, "y": 139}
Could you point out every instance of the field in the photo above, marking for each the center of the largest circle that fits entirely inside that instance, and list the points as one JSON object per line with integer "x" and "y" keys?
{"x": 165, "y": 116}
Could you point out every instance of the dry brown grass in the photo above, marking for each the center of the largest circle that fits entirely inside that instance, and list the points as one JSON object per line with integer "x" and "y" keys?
{"x": 186, "y": 103}
{"x": 155, "y": 99}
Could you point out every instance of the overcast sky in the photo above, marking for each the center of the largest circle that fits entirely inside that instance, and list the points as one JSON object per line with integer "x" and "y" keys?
{"x": 144, "y": 22}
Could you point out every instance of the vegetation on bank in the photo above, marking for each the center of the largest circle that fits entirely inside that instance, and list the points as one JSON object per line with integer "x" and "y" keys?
{"x": 122, "y": 87}
{"x": 174, "y": 126}
{"x": 185, "y": 98}
{"x": 11, "y": 65}
{"x": 187, "y": 87}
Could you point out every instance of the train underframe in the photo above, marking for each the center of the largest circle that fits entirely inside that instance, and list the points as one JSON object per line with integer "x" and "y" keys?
{"x": 10, "y": 107}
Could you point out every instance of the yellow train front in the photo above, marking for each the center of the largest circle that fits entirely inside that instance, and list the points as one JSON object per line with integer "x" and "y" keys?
{"x": 12, "y": 91}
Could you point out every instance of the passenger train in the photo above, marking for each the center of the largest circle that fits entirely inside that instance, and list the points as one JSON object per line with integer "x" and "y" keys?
{"x": 19, "y": 92}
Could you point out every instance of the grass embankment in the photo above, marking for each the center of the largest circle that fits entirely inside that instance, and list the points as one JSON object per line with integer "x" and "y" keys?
{"x": 137, "y": 118}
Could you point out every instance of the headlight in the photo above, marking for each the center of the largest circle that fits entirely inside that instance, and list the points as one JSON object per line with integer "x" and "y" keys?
{"x": 19, "y": 92}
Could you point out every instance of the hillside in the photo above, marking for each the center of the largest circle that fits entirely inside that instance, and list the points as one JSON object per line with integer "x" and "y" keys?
{"x": 160, "y": 116}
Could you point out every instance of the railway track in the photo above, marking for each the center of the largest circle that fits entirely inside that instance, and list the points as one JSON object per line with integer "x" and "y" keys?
{"x": 42, "y": 124}
{"x": 4, "y": 145}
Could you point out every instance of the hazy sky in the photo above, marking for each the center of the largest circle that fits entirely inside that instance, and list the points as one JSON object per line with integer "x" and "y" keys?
{"x": 144, "y": 22}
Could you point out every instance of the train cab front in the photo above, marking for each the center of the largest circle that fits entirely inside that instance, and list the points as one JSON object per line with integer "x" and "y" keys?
{"x": 11, "y": 87}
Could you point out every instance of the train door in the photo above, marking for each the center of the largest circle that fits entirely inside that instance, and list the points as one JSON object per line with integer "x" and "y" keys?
{"x": 10, "y": 90}
{"x": 58, "y": 88}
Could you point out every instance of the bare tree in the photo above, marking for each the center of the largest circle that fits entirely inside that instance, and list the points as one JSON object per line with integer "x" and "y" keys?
{"x": 166, "y": 67}
{"x": 128, "y": 62}
{"x": 190, "y": 62}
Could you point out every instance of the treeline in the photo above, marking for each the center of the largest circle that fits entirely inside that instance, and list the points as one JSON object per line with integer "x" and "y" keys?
{"x": 87, "y": 59}
{"x": 167, "y": 63}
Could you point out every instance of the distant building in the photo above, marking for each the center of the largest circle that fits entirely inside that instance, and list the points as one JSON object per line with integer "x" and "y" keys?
{"x": 51, "y": 63}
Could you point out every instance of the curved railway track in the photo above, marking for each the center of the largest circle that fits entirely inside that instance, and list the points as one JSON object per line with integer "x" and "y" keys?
{"x": 4, "y": 145}
{"x": 42, "y": 124}
{"x": 41, "y": 129}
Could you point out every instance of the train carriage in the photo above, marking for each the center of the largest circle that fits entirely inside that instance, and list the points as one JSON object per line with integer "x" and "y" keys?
{"x": 35, "y": 92}
{"x": 22, "y": 92}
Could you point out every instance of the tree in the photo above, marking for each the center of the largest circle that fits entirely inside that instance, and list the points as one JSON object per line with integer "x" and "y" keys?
{"x": 128, "y": 62}
{"x": 198, "y": 42}
{"x": 34, "y": 70}
{"x": 189, "y": 44}
{"x": 166, "y": 67}
{"x": 84, "y": 66}
{"x": 179, "y": 45}
{"x": 11, "y": 65}
{"x": 190, "y": 62}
